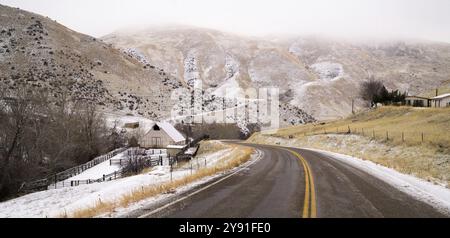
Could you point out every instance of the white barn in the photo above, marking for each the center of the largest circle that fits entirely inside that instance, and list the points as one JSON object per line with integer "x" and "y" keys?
{"x": 161, "y": 135}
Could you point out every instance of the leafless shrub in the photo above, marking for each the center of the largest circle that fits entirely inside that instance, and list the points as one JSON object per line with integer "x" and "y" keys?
{"x": 39, "y": 136}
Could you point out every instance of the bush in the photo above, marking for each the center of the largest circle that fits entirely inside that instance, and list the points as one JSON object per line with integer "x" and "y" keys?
{"x": 375, "y": 92}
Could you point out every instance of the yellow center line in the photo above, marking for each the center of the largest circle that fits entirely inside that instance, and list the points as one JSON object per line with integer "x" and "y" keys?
{"x": 310, "y": 193}
{"x": 313, "y": 193}
{"x": 306, "y": 203}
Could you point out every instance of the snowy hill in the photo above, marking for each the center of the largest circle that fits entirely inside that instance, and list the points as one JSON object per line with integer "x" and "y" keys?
{"x": 37, "y": 51}
{"x": 315, "y": 74}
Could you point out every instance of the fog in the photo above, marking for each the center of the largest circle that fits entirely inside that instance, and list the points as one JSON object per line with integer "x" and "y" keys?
{"x": 421, "y": 19}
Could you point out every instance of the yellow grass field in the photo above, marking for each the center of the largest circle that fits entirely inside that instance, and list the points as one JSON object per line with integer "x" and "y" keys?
{"x": 397, "y": 125}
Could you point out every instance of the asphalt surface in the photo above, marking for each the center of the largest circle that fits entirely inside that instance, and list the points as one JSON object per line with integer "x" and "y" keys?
{"x": 295, "y": 183}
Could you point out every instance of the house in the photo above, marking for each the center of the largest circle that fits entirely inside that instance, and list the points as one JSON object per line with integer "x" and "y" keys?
{"x": 441, "y": 100}
{"x": 417, "y": 101}
{"x": 161, "y": 135}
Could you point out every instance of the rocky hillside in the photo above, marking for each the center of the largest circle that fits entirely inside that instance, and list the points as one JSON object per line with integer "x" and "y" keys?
{"x": 38, "y": 52}
{"x": 318, "y": 75}
{"x": 41, "y": 53}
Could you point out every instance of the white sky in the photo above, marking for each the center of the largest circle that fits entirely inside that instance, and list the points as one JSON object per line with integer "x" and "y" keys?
{"x": 423, "y": 19}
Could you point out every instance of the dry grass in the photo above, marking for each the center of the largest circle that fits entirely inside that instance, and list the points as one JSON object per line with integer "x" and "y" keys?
{"x": 410, "y": 122}
{"x": 429, "y": 160}
{"x": 209, "y": 146}
{"x": 237, "y": 157}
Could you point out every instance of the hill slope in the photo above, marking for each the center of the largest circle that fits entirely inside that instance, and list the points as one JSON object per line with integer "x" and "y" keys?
{"x": 41, "y": 53}
{"x": 318, "y": 75}
{"x": 37, "y": 51}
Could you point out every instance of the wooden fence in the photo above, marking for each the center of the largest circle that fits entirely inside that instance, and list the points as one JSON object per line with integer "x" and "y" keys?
{"x": 148, "y": 161}
{"x": 43, "y": 184}
{"x": 59, "y": 180}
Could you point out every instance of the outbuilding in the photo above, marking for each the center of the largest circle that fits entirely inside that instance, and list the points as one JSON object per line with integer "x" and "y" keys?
{"x": 161, "y": 135}
{"x": 441, "y": 100}
{"x": 417, "y": 101}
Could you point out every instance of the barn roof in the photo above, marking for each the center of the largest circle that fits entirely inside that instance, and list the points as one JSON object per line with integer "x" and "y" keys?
{"x": 442, "y": 96}
{"x": 416, "y": 97}
{"x": 171, "y": 131}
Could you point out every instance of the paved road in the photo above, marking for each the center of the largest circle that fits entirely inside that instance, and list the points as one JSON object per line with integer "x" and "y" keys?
{"x": 296, "y": 183}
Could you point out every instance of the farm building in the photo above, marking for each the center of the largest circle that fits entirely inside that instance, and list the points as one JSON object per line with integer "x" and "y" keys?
{"x": 441, "y": 100}
{"x": 417, "y": 101}
{"x": 161, "y": 135}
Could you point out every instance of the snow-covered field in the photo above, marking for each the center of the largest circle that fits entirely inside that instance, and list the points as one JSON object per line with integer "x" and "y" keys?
{"x": 99, "y": 170}
{"x": 56, "y": 202}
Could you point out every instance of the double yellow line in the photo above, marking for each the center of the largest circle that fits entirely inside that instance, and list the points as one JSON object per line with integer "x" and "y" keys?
{"x": 309, "y": 205}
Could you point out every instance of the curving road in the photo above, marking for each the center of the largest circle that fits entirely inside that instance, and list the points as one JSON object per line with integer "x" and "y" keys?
{"x": 294, "y": 183}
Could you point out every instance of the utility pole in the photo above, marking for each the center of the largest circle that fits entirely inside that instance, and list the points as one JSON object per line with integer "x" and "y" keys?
{"x": 353, "y": 106}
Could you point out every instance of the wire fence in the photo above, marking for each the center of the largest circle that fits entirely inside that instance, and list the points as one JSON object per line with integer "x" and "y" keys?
{"x": 416, "y": 137}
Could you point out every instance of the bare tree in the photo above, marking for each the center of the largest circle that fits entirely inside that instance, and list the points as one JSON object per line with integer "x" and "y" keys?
{"x": 40, "y": 137}
{"x": 370, "y": 89}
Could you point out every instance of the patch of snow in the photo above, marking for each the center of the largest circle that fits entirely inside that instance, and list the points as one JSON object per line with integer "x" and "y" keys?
{"x": 230, "y": 88}
{"x": 435, "y": 195}
{"x": 99, "y": 170}
{"x": 328, "y": 70}
{"x": 136, "y": 54}
{"x": 191, "y": 73}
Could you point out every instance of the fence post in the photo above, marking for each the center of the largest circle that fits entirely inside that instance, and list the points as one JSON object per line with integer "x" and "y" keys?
{"x": 422, "y": 137}
{"x": 387, "y": 135}
{"x": 71, "y": 183}
{"x": 171, "y": 169}
{"x": 403, "y": 137}
{"x": 349, "y": 130}
{"x": 103, "y": 177}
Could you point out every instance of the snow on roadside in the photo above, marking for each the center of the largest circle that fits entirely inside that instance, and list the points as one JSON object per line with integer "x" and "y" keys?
{"x": 52, "y": 203}
{"x": 435, "y": 195}
{"x": 124, "y": 212}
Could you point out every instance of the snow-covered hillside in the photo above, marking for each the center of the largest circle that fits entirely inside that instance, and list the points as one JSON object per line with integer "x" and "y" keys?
{"x": 315, "y": 74}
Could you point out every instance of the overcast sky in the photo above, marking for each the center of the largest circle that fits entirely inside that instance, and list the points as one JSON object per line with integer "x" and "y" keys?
{"x": 423, "y": 19}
